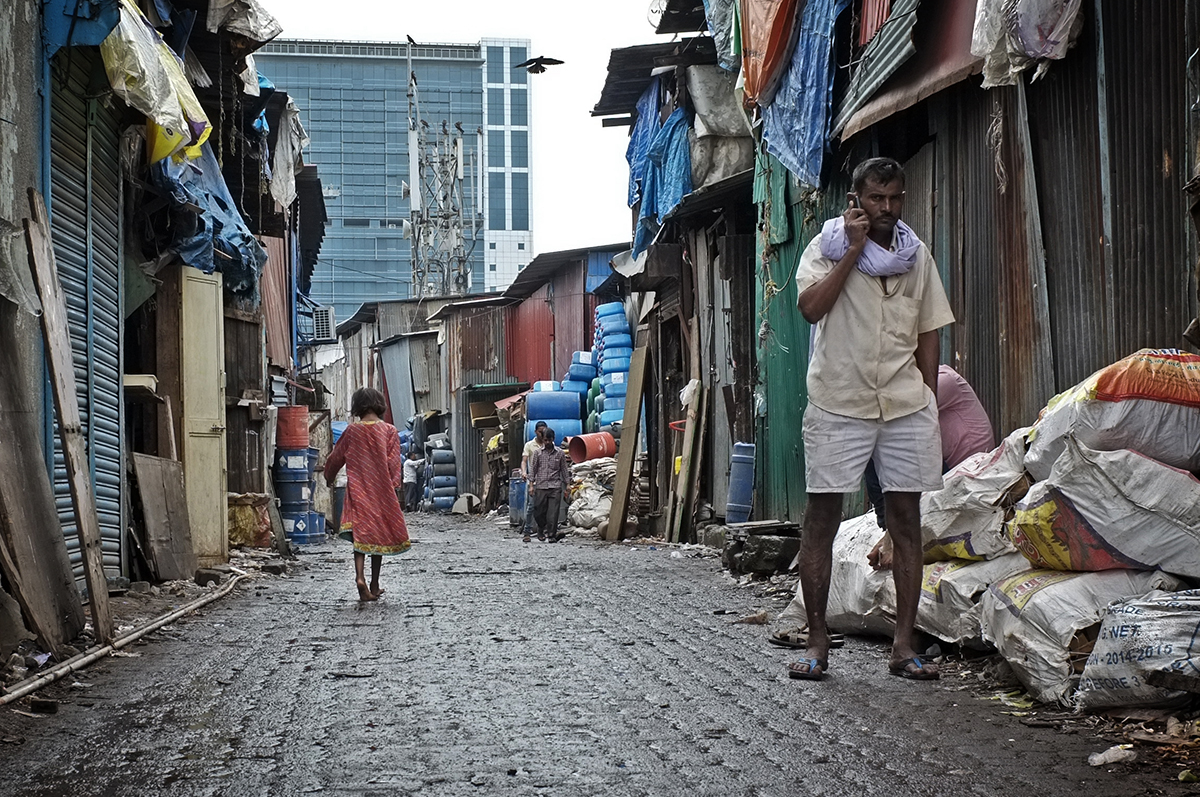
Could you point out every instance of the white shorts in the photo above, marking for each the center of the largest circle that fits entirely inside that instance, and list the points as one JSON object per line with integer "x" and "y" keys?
{"x": 907, "y": 451}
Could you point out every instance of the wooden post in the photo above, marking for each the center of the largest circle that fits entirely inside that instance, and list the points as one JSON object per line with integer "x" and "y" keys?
{"x": 55, "y": 329}
{"x": 627, "y": 456}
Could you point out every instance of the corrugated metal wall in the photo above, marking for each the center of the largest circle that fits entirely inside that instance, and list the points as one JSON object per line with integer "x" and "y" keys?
{"x": 574, "y": 324}
{"x": 1146, "y": 56}
{"x": 529, "y": 337}
{"x": 1064, "y": 126}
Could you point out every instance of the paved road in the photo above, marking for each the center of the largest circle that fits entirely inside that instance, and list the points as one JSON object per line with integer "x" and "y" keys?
{"x": 496, "y": 667}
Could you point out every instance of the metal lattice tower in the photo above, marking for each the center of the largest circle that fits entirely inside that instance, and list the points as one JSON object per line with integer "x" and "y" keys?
{"x": 443, "y": 232}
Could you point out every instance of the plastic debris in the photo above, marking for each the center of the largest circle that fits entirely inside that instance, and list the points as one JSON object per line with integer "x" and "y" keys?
{"x": 1117, "y": 754}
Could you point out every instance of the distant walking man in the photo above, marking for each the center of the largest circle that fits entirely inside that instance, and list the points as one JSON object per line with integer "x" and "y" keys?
{"x": 549, "y": 476}
{"x": 530, "y": 447}
{"x": 872, "y": 290}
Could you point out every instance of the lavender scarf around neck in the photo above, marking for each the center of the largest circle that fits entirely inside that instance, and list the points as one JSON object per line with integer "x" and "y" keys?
{"x": 875, "y": 261}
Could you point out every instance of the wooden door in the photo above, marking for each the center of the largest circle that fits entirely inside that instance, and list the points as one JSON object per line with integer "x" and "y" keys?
{"x": 202, "y": 382}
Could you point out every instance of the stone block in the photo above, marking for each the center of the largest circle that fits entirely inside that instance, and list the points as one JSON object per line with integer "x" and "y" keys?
{"x": 206, "y": 576}
{"x": 766, "y": 554}
{"x": 713, "y": 536}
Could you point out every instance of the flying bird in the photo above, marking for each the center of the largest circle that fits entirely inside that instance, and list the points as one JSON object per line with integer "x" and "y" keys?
{"x": 536, "y": 66}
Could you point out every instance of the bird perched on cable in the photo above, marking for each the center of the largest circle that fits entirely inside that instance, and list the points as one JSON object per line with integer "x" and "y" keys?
{"x": 411, "y": 40}
{"x": 536, "y": 66}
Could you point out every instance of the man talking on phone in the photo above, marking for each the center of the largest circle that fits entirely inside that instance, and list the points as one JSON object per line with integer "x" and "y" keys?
{"x": 872, "y": 291}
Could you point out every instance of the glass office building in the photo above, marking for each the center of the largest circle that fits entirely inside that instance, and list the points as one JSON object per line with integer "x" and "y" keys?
{"x": 354, "y": 105}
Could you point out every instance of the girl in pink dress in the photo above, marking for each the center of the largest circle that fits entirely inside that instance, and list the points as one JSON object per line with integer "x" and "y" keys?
{"x": 371, "y": 518}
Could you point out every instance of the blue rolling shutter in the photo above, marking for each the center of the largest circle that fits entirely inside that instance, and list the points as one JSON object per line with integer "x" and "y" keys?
{"x": 85, "y": 212}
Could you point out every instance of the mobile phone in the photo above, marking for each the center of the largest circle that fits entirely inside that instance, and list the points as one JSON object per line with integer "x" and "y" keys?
{"x": 853, "y": 200}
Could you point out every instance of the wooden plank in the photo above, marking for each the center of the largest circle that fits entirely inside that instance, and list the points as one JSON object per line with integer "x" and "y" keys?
{"x": 55, "y": 329}
{"x": 164, "y": 510}
{"x": 687, "y": 530}
{"x": 683, "y": 481}
{"x": 631, "y": 425}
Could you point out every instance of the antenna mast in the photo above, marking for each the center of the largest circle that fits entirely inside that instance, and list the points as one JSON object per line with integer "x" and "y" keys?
{"x": 443, "y": 232}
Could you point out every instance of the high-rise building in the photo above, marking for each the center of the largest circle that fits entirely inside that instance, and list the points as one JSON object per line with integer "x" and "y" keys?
{"x": 354, "y": 104}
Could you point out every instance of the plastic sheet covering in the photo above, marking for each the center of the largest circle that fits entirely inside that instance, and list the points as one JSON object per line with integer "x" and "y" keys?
{"x": 718, "y": 113}
{"x": 667, "y": 180}
{"x": 715, "y": 158}
{"x": 720, "y": 16}
{"x": 245, "y": 18}
{"x": 1014, "y": 35}
{"x": 796, "y": 126}
{"x": 218, "y": 226}
{"x": 644, "y": 130}
{"x": 287, "y": 159}
{"x": 148, "y": 76}
{"x": 768, "y": 35}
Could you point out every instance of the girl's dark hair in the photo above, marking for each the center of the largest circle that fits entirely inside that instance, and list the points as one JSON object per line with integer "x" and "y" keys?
{"x": 367, "y": 400}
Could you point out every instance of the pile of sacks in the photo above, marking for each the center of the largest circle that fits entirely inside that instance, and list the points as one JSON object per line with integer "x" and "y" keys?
{"x": 1069, "y": 548}
{"x": 591, "y": 492}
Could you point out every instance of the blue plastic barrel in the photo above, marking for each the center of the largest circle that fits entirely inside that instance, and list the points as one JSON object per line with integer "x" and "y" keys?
{"x": 582, "y": 372}
{"x": 443, "y": 481}
{"x": 445, "y": 492}
{"x": 516, "y": 499}
{"x": 546, "y": 386}
{"x": 617, "y": 352}
{"x": 316, "y": 527}
{"x": 583, "y": 358}
{"x": 611, "y": 416}
{"x": 294, "y": 496}
{"x": 612, "y": 366}
{"x": 574, "y": 386}
{"x": 443, "y": 469}
{"x": 614, "y": 402}
{"x": 291, "y": 465}
{"x": 295, "y": 526}
{"x": 741, "y": 483}
{"x": 552, "y": 405}
{"x": 615, "y": 390}
{"x": 443, "y": 504}
{"x": 563, "y": 427}
{"x": 610, "y": 308}
{"x": 619, "y": 340}
{"x": 441, "y": 456}
{"x": 340, "y": 426}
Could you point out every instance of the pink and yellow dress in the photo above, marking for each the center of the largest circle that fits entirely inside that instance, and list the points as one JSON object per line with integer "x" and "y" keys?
{"x": 372, "y": 517}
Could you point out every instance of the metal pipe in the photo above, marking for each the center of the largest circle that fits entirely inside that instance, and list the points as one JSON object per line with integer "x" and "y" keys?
{"x": 76, "y": 663}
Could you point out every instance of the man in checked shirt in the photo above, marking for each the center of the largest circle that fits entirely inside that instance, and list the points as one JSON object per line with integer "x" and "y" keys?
{"x": 549, "y": 476}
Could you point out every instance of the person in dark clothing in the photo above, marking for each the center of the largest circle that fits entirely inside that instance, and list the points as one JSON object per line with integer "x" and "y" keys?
{"x": 549, "y": 476}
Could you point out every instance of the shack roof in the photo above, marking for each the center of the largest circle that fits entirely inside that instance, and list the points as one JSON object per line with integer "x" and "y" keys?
{"x": 682, "y": 16}
{"x": 365, "y": 314}
{"x": 629, "y": 70}
{"x": 469, "y": 304}
{"x": 543, "y": 268}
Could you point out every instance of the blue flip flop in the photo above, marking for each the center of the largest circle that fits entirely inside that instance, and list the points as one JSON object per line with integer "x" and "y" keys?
{"x": 901, "y": 669}
{"x": 809, "y": 674}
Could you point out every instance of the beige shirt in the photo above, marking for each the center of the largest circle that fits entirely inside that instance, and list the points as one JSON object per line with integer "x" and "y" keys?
{"x": 863, "y": 362}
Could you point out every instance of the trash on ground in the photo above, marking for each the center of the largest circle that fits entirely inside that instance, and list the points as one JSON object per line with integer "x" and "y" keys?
{"x": 1117, "y": 754}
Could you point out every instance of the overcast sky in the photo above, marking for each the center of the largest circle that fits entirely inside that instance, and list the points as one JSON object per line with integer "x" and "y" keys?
{"x": 579, "y": 174}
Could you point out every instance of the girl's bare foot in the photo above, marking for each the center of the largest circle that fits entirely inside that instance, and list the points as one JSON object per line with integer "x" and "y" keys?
{"x": 377, "y": 590}
{"x": 365, "y": 594}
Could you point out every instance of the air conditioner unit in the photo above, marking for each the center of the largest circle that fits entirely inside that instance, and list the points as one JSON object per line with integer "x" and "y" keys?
{"x": 324, "y": 328}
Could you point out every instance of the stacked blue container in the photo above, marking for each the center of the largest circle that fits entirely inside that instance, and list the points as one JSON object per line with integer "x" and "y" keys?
{"x": 441, "y": 480}
{"x": 294, "y": 488}
{"x": 614, "y": 342}
{"x": 560, "y": 409}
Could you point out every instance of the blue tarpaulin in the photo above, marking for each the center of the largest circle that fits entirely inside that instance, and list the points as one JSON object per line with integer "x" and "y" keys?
{"x": 719, "y": 14}
{"x": 668, "y": 177}
{"x": 640, "y": 137}
{"x": 796, "y": 123}
{"x": 217, "y": 226}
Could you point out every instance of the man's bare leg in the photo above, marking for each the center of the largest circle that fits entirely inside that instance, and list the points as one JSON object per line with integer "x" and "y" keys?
{"x": 376, "y": 564}
{"x": 360, "y": 578}
{"x": 821, "y": 520}
{"x": 904, "y": 526}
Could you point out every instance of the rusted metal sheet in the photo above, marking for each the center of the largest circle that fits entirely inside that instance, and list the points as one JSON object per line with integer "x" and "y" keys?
{"x": 529, "y": 336}
{"x": 573, "y": 324}
{"x": 425, "y": 362}
{"x": 1064, "y": 128}
{"x": 277, "y": 302}
{"x": 891, "y": 47}
{"x": 1146, "y": 53}
{"x": 874, "y": 14}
